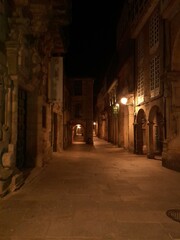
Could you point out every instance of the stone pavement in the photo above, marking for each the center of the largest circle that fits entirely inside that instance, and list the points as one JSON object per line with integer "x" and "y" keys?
{"x": 95, "y": 192}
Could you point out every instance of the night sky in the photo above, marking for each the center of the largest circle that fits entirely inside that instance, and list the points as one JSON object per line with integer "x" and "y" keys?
{"x": 92, "y": 38}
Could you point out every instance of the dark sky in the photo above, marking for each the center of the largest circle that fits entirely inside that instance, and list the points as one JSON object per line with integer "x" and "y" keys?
{"x": 92, "y": 38}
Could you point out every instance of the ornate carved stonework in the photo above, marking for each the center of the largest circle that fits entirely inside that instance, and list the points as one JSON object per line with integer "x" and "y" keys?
{"x": 40, "y": 18}
{"x": 30, "y": 34}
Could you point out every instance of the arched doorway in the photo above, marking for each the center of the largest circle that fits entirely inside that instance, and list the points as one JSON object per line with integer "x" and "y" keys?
{"x": 155, "y": 132}
{"x": 140, "y": 133}
{"x": 78, "y": 134}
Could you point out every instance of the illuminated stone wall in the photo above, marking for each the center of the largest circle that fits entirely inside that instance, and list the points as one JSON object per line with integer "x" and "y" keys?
{"x": 27, "y": 45}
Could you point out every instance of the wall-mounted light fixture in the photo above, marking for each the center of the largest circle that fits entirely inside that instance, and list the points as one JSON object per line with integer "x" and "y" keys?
{"x": 124, "y": 100}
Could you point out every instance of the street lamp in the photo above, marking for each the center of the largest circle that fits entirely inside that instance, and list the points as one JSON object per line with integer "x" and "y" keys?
{"x": 124, "y": 100}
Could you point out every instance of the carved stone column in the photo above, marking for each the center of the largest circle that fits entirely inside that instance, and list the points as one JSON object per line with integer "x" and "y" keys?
{"x": 150, "y": 153}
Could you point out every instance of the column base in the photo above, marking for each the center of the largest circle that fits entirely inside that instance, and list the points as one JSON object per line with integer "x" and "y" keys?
{"x": 171, "y": 161}
{"x": 5, "y": 181}
{"x": 10, "y": 180}
{"x": 150, "y": 155}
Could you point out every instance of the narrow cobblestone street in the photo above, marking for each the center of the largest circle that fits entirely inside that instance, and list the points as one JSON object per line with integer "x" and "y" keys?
{"x": 95, "y": 192}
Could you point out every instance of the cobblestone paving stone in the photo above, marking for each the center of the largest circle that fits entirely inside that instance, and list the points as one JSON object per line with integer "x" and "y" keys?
{"x": 98, "y": 192}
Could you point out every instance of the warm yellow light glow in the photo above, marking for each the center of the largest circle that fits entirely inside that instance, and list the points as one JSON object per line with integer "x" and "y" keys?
{"x": 117, "y": 104}
{"x": 94, "y": 123}
{"x": 78, "y": 126}
{"x": 124, "y": 100}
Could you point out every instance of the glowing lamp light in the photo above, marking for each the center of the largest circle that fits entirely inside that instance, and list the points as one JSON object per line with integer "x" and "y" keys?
{"x": 124, "y": 100}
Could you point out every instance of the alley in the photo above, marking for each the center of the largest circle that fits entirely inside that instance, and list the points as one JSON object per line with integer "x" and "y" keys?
{"x": 95, "y": 192}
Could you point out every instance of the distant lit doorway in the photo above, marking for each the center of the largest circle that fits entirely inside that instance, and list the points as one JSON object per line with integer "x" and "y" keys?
{"x": 78, "y": 134}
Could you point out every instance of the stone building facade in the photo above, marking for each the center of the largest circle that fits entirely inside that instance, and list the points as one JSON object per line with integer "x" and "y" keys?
{"x": 30, "y": 118}
{"x": 81, "y": 118}
{"x": 147, "y": 76}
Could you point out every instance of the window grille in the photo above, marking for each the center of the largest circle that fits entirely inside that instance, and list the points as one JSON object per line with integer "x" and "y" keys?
{"x": 140, "y": 77}
{"x": 140, "y": 85}
{"x": 154, "y": 30}
{"x": 155, "y": 76}
{"x": 140, "y": 47}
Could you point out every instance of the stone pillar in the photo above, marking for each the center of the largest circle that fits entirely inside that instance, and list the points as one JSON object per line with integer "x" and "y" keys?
{"x": 8, "y": 105}
{"x": 131, "y": 128}
{"x": 39, "y": 157}
{"x": 150, "y": 153}
{"x": 60, "y": 121}
{"x": 171, "y": 152}
{"x": 8, "y": 108}
{"x": 14, "y": 111}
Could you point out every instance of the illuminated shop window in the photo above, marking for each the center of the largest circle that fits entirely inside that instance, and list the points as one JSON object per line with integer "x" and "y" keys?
{"x": 154, "y": 30}
{"x": 155, "y": 76}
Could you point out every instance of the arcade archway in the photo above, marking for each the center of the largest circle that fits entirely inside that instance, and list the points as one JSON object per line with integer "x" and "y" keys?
{"x": 155, "y": 131}
{"x": 140, "y": 133}
{"x": 78, "y": 134}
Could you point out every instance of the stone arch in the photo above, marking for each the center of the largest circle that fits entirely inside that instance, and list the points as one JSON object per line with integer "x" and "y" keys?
{"x": 176, "y": 53}
{"x": 78, "y": 132}
{"x": 140, "y": 133}
{"x": 155, "y": 132}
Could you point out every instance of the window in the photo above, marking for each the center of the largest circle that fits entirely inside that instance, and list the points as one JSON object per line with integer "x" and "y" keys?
{"x": 140, "y": 48}
{"x": 155, "y": 76}
{"x": 78, "y": 110}
{"x": 154, "y": 30}
{"x": 140, "y": 85}
{"x": 140, "y": 77}
{"x": 78, "y": 88}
